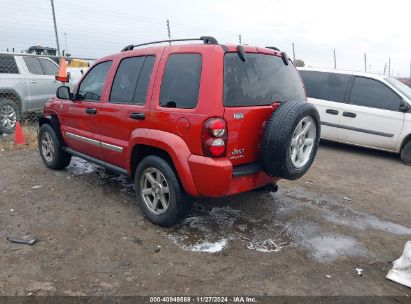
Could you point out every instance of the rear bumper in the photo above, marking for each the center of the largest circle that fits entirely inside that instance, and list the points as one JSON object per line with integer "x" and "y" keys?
{"x": 216, "y": 177}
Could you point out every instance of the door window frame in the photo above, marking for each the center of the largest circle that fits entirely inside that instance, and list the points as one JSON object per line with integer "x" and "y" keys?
{"x": 104, "y": 84}
{"x": 117, "y": 67}
{"x": 371, "y": 107}
{"x": 161, "y": 79}
{"x": 347, "y": 93}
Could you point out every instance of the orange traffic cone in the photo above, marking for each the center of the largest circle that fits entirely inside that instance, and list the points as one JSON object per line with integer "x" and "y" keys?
{"x": 62, "y": 74}
{"x": 19, "y": 138}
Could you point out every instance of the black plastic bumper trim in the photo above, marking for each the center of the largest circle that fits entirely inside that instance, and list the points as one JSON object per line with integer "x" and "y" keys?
{"x": 247, "y": 169}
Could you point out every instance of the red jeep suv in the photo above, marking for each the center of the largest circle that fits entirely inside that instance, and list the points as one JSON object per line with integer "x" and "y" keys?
{"x": 199, "y": 119}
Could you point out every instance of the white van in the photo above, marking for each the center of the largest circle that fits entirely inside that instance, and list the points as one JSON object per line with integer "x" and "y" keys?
{"x": 362, "y": 109}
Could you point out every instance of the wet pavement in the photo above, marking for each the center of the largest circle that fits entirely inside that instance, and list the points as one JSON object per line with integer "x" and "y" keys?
{"x": 286, "y": 218}
{"x": 308, "y": 238}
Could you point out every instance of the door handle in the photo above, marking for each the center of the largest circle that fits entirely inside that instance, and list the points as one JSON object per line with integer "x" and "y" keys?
{"x": 349, "y": 114}
{"x": 138, "y": 116}
{"x": 92, "y": 111}
{"x": 33, "y": 81}
{"x": 332, "y": 112}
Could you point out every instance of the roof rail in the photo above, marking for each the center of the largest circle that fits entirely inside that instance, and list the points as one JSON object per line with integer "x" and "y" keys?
{"x": 272, "y": 48}
{"x": 205, "y": 39}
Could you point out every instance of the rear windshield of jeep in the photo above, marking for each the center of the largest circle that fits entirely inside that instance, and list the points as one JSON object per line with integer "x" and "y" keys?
{"x": 260, "y": 80}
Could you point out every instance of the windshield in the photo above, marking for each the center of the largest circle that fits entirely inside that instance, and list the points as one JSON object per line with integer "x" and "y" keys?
{"x": 403, "y": 88}
{"x": 261, "y": 80}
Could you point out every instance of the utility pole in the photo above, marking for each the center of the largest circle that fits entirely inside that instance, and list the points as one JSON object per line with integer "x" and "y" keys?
{"x": 55, "y": 27}
{"x": 365, "y": 62}
{"x": 293, "y": 51}
{"x": 65, "y": 43}
{"x": 168, "y": 29}
{"x": 335, "y": 61}
{"x": 389, "y": 67}
{"x": 410, "y": 69}
{"x": 239, "y": 39}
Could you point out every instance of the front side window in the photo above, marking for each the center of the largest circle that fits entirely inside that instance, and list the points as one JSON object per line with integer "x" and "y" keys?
{"x": 326, "y": 86}
{"x": 260, "y": 80}
{"x": 33, "y": 65}
{"x": 372, "y": 93}
{"x": 8, "y": 65}
{"x": 48, "y": 66}
{"x": 403, "y": 88}
{"x": 181, "y": 81}
{"x": 91, "y": 86}
{"x": 131, "y": 81}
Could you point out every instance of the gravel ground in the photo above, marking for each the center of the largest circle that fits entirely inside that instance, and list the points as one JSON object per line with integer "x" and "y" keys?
{"x": 350, "y": 212}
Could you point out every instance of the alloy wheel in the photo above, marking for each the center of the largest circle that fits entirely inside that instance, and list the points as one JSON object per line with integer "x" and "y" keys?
{"x": 302, "y": 142}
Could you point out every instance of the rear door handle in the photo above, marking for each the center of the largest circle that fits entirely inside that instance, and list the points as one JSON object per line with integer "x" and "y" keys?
{"x": 92, "y": 111}
{"x": 332, "y": 112}
{"x": 138, "y": 115}
{"x": 349, "y": 114}
{"x": 33, "y": 81}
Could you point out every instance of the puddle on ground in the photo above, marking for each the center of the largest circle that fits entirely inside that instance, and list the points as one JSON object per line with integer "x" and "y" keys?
{"x": 328, "y": 247}
{"x": 296, "y": 219}
{"x": 265, "y": 223}
{"x": 214, "y": 230}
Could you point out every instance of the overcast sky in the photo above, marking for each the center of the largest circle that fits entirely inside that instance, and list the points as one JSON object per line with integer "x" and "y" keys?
{"x": 95, "y": 28}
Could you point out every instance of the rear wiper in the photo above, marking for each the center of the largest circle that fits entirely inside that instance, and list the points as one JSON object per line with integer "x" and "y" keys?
{"x": 284, "y": 57}
{"x": 241, "y": 53}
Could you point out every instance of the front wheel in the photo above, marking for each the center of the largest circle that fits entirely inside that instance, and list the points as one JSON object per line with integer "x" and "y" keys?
{"x": 158, "y": 192}
{"x": 9, "y": 115}
{"x": 50, "y": 149}
{"x": 406, "y": 153}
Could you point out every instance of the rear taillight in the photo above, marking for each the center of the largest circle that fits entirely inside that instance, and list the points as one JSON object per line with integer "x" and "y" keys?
{"x": 214, "y": 137}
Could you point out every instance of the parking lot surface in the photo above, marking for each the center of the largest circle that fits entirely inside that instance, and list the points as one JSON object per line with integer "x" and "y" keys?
{"x": 349, "y": 215}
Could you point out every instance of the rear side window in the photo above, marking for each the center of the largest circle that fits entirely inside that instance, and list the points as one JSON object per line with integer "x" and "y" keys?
{"x": 181, "y": 81}
{"x": 92, "y": 84}
{"x": 261, "y": 80}
{"x": 326, "y": 86}
{"x": 33, "y": 65}
{"x": 372, "y": 93}
{"x": 49, "y": 67}
{"x": 131, "y": 81}
{"x": 8, "y": 65}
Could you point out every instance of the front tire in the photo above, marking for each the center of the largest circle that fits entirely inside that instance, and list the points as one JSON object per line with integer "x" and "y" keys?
{"x": 159, "y": 193}
{"x": 50, "y": 149}
{"x": 9, "y": 115}
{"x": 406, "y": 153}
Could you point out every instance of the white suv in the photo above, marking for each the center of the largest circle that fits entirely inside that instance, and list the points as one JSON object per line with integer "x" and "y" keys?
{"x": 362, "y": 109}
{"x": 27, "y": 82}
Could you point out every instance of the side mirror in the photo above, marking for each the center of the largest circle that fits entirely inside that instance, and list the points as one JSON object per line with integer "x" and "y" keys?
{"x": 404, "y": 106}
{"x": 63, "y": 92}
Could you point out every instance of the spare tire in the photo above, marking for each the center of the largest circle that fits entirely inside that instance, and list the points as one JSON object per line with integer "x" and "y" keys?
{"x": 290, "y": 140}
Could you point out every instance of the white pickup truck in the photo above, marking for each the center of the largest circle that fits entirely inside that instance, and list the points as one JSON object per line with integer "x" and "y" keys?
{"x": 27, "y": 82}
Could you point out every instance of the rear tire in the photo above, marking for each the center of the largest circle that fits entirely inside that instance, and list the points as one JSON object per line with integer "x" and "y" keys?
{"x": 50, "y": 149}
{"x": 290, "y": 141}
{"x": 159, "y": 193}
{"x": 406, "y": 153}
{"x": 9, "y": 115}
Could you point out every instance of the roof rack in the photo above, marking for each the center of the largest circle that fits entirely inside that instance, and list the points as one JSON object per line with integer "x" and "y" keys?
{"x": 205, "y": 39}
{"x": 272, "y": 48}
